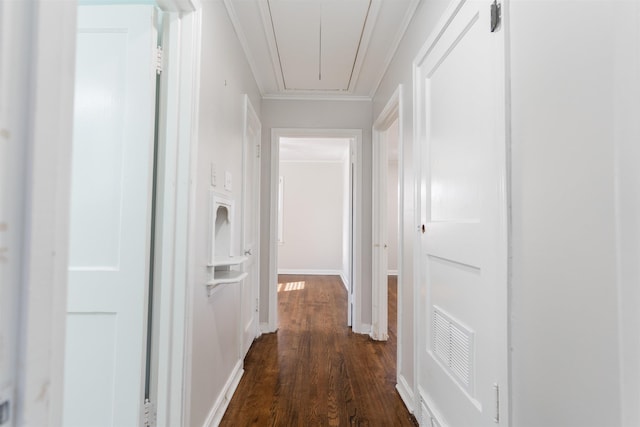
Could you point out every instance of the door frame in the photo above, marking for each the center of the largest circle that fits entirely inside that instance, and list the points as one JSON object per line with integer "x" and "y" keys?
{"x": 354, "y": 300}
{"x": 178, "y": 130}
{"x": 380, "y": 266}
{"x": 51, "y": 57}
{"x": 251, "y": 119}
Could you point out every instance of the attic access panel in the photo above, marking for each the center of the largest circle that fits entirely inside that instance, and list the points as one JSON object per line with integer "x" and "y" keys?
{"x": 318, "y": 42}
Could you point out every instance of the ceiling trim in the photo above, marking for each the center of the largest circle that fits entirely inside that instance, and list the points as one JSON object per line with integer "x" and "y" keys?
{"x": 270, "y": 36}
{"x": 243, "y": 42}
{"x": 315, "y": 97}
{"x": 411, "y": 10}
{"x": 363, "y": 47}
{"x": 315, "y": 161}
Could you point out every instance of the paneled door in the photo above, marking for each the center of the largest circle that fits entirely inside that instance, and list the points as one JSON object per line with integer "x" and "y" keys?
{"x": 462, "y": 308}
{"x": 250, "y": 227}
{"x": 113, "y": 145}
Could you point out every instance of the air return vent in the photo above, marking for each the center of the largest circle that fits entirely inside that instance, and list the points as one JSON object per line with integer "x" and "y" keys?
{"x": 452, "y": 344}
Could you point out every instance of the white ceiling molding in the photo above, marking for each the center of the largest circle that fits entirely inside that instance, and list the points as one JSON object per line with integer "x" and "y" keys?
{"x": 315, "y": 97}
{"x": 233, "y": 16}
{"x": 359, "y": 38}
{"x": 267, "y": 26}
{"x": 363, "y": 48}
{"x": 396, "y": 42}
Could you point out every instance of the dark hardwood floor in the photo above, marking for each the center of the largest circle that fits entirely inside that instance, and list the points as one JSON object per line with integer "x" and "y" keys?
{"x": 314, "y": 371}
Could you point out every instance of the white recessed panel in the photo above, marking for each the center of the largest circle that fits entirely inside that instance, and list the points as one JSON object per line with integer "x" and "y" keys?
{"x": 457, "y": 123}
{"x": 342, "y": 26}
{"x": 317, "y": 41}
{"x": 98, "y": 150}
{"x": 296, "y": 27}
{"x": 91, "y": 350}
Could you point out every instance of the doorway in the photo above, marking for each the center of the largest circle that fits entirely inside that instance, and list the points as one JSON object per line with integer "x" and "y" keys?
{"x": 349, "y": 262}
{"x": 388, "y": 193}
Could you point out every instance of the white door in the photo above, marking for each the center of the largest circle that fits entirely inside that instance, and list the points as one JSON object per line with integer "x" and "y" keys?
{"x": 110, "y": 216}
{"x": 463, "y": 299}
{"x": 380, "y": 240}
{"x": 250, "y": 227}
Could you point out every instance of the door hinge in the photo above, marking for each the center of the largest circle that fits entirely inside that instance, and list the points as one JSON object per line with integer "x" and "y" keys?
{"x": 258, "y": 148}
{"x": 149, "y": 414}
{"x": 496, "y": 15}
{"x": 496, "y": 389}
{"x": 159, "y": 60}
{"x": 257, "y": 305}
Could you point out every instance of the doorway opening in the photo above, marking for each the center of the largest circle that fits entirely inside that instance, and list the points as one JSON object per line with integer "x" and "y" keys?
{"x": 388, "y": 194}
{"x": 315, "y": 209}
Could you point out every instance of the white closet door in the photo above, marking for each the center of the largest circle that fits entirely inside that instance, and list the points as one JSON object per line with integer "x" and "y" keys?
{"x": 462, "y": 309}
{"x": 110, "y": 216}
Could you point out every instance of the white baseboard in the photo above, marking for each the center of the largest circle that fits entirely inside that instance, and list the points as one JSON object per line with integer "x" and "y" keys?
{"x": 392, "y": 272}
{"x": 345, "y": 281}
{"x": 222, "y": 402}
{"x": 364, "y": 328}
{"x": 376, "y": 336}
{"x": 266, "y": 329}
{"x": 406, "y": 394}
{"x": 310, "y": 272}
{"x": 429, "y": 415}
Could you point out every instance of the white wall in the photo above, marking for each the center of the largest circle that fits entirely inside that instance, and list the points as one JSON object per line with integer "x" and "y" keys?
{"x": 225, "y": 77}
{"x": 316, "y": 115}
{"x": 574, "y": 309}
{"x": 313, "y": 217}
{"x": 13, "y": 128}
{"x": 627, "y": 190}
{"x": 575, "y": 299}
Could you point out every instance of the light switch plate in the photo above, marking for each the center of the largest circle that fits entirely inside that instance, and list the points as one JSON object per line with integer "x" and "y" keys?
{"x": 227, "y": 180}
{"x": 213, "y": 175}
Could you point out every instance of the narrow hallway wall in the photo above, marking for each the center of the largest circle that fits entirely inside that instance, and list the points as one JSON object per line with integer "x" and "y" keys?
{"x": 225, "y": 78}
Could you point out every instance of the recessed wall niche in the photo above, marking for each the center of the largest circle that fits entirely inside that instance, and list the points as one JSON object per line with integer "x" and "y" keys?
{"x": 222, "y": 258}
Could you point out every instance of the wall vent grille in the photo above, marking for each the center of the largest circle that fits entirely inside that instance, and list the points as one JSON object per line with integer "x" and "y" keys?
{"x": 452, "y": 344}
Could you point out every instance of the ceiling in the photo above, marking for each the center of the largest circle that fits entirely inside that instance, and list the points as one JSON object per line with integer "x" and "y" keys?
{"x": 319, "y": 48}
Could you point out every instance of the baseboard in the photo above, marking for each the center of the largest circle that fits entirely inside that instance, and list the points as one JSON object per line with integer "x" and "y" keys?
{"x": 364, "y": 328}
{"x": 429, "y": 415}
{"x": 345, "y": 281}
{"x": 266, "y": 329}
{"x": 378, "y": 337}
{"x": 310, "y": 272}
{"x": 392, "y": 272}
{"x": 406, "y": 394}
{"x": 222, "y": 402}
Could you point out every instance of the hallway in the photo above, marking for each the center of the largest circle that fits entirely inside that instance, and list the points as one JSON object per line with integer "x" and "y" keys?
{"x": 314, "y": 371}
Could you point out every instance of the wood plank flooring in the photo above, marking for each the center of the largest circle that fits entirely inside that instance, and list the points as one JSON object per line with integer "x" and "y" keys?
{"x": 314, "y": 371}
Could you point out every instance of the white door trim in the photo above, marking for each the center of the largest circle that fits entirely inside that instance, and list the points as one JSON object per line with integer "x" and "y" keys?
{"x": 179, "y": 127}
{"x": 391, "y": 112}
{"x": 50, "y": 56}
{"x": 251, "y": 121}
{"x": 356, "y": 268}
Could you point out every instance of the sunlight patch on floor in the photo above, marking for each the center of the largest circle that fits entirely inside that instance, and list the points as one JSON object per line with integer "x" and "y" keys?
{"x": 290, "y": 286}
